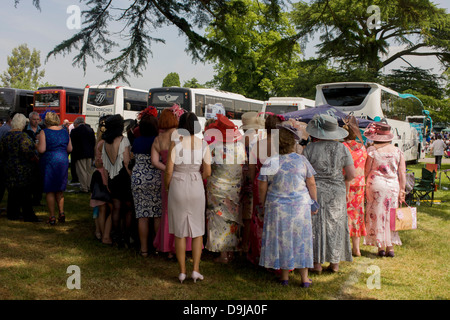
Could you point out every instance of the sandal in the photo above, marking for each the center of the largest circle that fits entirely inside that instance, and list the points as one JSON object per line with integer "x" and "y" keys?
{"x": 306, "y": 284}
{"x": 52, "y": 220}
{"x": 62, "y": 217}
{"x": 143, "y": 254}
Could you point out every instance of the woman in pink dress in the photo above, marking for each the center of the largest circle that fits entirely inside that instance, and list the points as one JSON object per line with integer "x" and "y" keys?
{"x": 167, "y": 124}
{"x": 355, "y": 194}
{"x": 385, "y": 188}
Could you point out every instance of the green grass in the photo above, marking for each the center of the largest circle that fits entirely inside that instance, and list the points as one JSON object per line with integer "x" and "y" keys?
{"x": 34, "y": 258}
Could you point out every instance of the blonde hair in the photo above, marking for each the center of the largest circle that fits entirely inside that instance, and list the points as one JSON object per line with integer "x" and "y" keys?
{"x": 19, "y": 121}
{"x": 51, "y": 119}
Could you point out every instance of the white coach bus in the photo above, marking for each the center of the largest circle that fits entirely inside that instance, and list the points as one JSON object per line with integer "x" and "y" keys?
{"x": 205, "y": 103}
{"x": 280, "y": 105}
{"x": 101, "y": 100}
{"x": 375, "y": 102}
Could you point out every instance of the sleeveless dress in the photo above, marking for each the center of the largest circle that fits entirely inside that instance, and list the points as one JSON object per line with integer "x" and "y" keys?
{"x": 164, "y": 240}
{"x": 355, "y": 207}
{"x": 54, "y": 162}
{"x": 287, "y": 241}
{"x": 382, "y": 189}
{"x": 145, "y": 180}
{"x": 186, "y": 198}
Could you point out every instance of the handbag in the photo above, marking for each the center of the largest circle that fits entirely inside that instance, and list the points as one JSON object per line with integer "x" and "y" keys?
{"x": 99, "y": 190}
{"x": 403, "y": 218}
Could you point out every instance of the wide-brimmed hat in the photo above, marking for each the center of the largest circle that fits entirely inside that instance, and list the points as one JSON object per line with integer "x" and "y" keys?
{"x": 300, "y": 126}
{"x": 325, "y": 127}
{"x": 251, "y": 120}
{"x": 229, "y": 132}
{"x": 288, "y": 126}
{"x": 379, "y": 131}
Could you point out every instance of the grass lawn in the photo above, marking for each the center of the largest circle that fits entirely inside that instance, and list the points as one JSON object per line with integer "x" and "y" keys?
{"x": 34, "y": 258}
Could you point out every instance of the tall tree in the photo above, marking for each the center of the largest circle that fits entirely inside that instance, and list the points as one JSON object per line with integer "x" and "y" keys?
{"x": 262, "y": 69}
{"x": 171, "y": 80}
{"x": 23, "y": 69}
{"x": 353, "y": 32}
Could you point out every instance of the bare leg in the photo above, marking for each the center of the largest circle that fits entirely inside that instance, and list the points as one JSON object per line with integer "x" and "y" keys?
{"x": 355, "y": 242}
{"x": 107, "y": 233}
{"x": 197, "y": 252}
{"x": 101, "y": 220}
{"x": 304, "y": 275}
{"x": 284, "y": 275}
{"x": 143, "y": 235}
{"x": 180, "y": 251}
{"x": 50, "y": 198}
{"x": 60, "y": 201}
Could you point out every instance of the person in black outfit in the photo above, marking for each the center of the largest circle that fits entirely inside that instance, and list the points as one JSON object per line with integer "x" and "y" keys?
{"x": 83, "y": 143}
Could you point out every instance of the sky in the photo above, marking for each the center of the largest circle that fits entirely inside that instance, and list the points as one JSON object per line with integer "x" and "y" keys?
{"x": 43, "y": 30}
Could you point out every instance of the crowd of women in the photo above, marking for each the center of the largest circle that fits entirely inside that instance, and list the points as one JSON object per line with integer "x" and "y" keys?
{"x": 289, "y": 195}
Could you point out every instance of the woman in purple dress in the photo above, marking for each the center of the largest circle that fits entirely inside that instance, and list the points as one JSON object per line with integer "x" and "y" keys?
{"x": 54, "y": 145}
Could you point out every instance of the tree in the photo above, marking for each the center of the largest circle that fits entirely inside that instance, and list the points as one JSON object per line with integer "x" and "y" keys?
{"x": 348, "y": 37}
{"x": 23, "y": 69}
{"x": 139, "y": 21}
{"x": 193, "y": 83}
{"x": 263, "y": 69}
{"x": 171, "y": 80}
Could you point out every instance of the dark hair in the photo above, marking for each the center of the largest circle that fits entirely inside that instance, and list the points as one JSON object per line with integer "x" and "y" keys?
{"x": 189, "y": 122}
{"x": 167, "y": 120}
{"x": 148, "y": 126}
{"x": 271, "y": 122}
{"x": 287, "y": 141}
{"x": 114, "y": 128}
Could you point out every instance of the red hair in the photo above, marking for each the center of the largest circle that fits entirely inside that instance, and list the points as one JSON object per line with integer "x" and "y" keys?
{"x": 167, "y": 120}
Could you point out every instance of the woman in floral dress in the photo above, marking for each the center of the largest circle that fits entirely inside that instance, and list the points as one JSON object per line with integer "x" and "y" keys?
{"x": 287, "y": 191}
{"x": 385, "y": 188}
{"x": 223, "y": 189}
{"x": 355, "y": 197}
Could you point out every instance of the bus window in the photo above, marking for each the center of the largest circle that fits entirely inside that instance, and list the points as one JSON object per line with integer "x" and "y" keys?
{"x": 340, "y": 97}
{"x": 134, "y": 100}
{"x": 73, "y": 104}
{"x": 100, "y": 97}
{"x": 241, "y": 107}
{"x": 200, "y": 105}
{"x": 47, "y": 99}
{"x": 227, "y": 103}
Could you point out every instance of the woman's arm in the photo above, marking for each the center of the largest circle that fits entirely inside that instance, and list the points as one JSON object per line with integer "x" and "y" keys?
{"x": 312, "y": 189}
{"x": 155, "y": 156}
{"x": 262, "y": 186}
{"x": 69, "y": 146}
{"x": 41, "y": 146}
{"x": 126, "y": 159}
{"x": 169, "y": 166}
{"x": 206, "y": 164}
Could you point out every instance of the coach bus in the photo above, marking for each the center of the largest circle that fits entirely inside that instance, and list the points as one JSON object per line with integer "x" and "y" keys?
{"x": 65, "y": 101}
{"x": 205, "y": 103}
{"x": 15, "y": 100}
{"x": 375, "y": 102}
{"x": 102, "y": 100}
{"x": 280, "y": 105}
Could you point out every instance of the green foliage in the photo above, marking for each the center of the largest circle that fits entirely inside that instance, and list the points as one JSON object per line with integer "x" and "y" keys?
{"x": 347, "y": 39}
{"x": 263, "y": 68}
{"x": 171, "y": 80}
{"x": 193, "y": 83}
{"x": 23, "y": 69}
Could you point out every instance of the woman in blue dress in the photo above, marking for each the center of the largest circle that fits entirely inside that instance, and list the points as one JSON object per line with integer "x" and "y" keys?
{"x": 287, "y": 190}
{"x": 54, "y": 145}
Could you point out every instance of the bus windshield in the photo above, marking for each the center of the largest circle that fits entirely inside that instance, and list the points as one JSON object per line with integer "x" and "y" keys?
{"x": 47, "y": 99}
{"x": 280, "y": 109}
{"x": 164, "y": 99}
{"x": 340, "y": 97}
{"x": 6, "y": 99}
{"x": 101, "y": 97}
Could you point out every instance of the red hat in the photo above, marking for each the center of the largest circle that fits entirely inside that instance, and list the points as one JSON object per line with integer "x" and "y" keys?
{"x": 229, "y": 132}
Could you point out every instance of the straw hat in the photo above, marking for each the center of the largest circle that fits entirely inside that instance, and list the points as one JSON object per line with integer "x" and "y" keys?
{"x": 229, "y": 131}
{"x": 251, "y": 120}
{"x": 325, "y": 127}
{"x": 379, "y": 131}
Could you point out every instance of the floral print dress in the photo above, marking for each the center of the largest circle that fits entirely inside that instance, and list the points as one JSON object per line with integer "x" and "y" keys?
{"x": 287, "y": 241}
{"x": 223, "y": 191}
{"x": 355, "y": 206}
{"x": 382, "y": 189}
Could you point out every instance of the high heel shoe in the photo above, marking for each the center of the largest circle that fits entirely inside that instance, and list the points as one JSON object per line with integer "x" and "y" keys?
{"x": 196, "y": 276}
{"x": 52, "y": 221}
{"x": 182, "y": 277}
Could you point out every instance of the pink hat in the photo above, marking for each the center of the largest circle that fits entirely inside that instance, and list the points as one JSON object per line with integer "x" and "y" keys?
{"x": 378, "y": 131}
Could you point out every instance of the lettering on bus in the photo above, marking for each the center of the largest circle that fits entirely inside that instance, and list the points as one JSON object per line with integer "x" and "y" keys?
{"x": 96, "y": 110}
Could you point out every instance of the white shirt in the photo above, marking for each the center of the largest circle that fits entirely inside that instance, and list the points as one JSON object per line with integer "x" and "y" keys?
{"x": 438, "y": 147}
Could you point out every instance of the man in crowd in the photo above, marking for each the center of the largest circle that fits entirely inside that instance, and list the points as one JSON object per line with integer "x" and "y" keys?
{"x": 32, "y": 129}
{"x": 83, "y": 143}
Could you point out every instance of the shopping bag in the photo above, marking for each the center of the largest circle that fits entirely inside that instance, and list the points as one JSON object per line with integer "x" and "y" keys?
{"x": 403, "y": 218}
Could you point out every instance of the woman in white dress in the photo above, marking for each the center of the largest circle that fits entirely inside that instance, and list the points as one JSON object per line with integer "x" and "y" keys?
{"x": 187, "y": 165}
